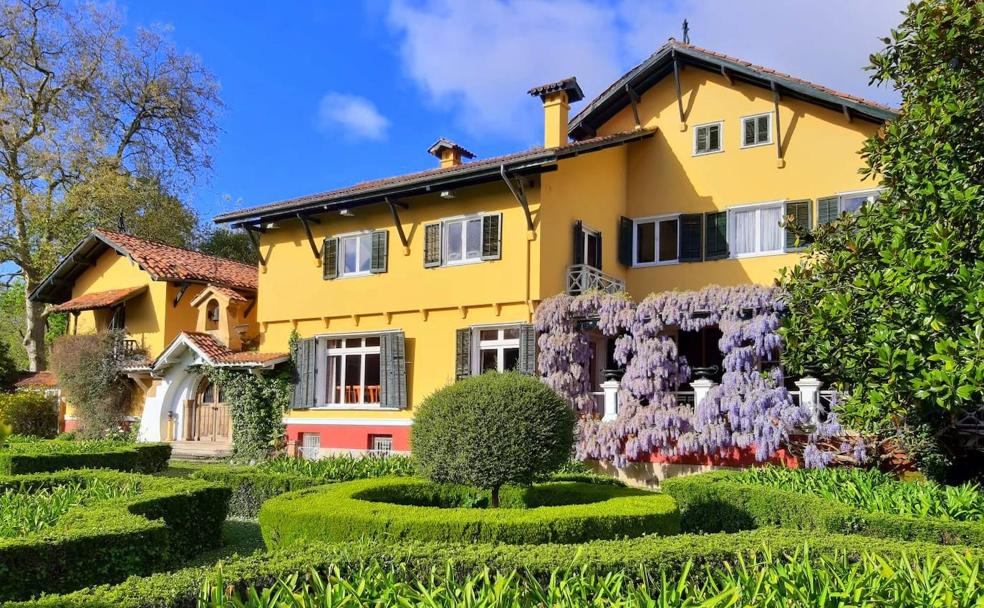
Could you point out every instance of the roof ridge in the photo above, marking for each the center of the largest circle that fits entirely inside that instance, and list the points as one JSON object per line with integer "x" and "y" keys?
{"x": 111, "y": 234}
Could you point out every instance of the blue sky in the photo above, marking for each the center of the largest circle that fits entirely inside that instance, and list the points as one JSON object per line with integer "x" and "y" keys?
{"x": 323, "y": 94}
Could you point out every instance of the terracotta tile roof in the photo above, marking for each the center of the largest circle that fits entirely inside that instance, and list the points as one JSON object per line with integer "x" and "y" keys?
{"x": 232, "y": 294}
{"x": 99, "y": 299}
{"x": 219, "y": 354}
{"x": 424, "y": 177}
{"x": 37, "y": 380}
{"x": 443, "y": 142}
{"x": 166, "y": 262}
{"x": 785, "y": 76}
{"x": 569, "y": 84}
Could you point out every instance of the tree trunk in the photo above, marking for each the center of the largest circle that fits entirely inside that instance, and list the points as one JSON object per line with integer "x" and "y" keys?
{"x": 34, "y": 330}
{"x": 495, "y": 497}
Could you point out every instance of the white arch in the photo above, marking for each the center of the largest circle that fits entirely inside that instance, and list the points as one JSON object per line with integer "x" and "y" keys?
{"x": 178, "y": 385}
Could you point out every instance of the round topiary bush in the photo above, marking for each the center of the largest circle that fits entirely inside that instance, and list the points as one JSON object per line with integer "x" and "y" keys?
{"x": 491, "y": 430}
{"x": 414, "y": 509}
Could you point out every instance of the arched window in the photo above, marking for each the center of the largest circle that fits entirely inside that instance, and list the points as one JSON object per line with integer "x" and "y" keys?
{"x": 212, "y": 314}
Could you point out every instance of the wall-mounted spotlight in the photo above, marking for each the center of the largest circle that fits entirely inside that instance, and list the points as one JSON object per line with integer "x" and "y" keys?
{"x": 447, "y": 194}
{"x": 346, "y": 213}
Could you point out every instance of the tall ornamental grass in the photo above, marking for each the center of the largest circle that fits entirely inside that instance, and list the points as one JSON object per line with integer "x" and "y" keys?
{"x": 762, "y": 579}
{"x": 22, "y": 513}
{"x": 877, "y": 492}
{"x": 343, "y": 468}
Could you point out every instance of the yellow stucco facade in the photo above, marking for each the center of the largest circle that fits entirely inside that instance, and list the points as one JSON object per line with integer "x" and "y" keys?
{"x": 655, "y": 176}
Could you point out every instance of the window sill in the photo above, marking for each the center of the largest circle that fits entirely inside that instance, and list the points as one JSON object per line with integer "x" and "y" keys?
{"x": 368, "y": 407}
{"x": 758, "y": 145}
{"x": 462, "y": 263}
{"x": 355, "y": 275}
{"x": 708, "y": 153}
{"x": 651, "y": 264}
{"x": 762, "y": 254}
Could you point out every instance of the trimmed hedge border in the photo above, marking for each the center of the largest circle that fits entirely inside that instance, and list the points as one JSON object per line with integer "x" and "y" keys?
{"x": 58, "y": 455}
{"x": 167, "y": 521}
{"x": 251, "y": 487}
{"x": 640, "y": 557}
{"x": 718, "y": 502}
{"x": 350, "y": 511}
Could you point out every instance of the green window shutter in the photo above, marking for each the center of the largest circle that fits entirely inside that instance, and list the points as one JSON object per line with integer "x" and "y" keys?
{"x": 527, "y": 350}
{"x": 492, "y": 236}
{"x": 462, "y": 366}
{"x": 798, "y": 214}
{"x": 601, "y": 249}
{"x": 329, "y": 258}
{"x": 715, "y": 235}
{"x": 305, "y": 360}
{"x": 625, "y": 229}
{"x": 691, "y": 237}
{"x": 578, "y": 242}
{"x": 828, "y": 210}
{"x": 432, "y": 245}
{"x": 379, "y": 251}
{"x": 393, "y": 370}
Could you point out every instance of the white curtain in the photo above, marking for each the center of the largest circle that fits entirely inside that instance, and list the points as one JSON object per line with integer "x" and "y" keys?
{"x": 773, "y": 237}
{"x": 743, "y": 231}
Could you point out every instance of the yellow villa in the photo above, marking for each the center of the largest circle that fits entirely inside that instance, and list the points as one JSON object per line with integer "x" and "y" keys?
{"x": 681, "y": 174}
{"x": 676, "y": 177}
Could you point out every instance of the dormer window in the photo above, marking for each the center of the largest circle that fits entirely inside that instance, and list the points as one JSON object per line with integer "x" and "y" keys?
{"x": 212, "y": 315}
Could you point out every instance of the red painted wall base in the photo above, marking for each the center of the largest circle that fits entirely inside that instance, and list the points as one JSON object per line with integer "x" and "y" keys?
{"x": 350, "y": 437}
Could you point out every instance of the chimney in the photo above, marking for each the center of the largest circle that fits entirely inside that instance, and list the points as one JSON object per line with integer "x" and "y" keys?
{"x": 448, "y": 152}
{"x": 556, "y": 98}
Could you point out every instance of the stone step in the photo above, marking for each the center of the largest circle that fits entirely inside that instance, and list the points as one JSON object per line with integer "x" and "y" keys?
{"x": 199, "y": 450}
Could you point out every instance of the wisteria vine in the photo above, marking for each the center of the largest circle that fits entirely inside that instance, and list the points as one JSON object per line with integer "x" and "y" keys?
{"x": 749, "y": 409}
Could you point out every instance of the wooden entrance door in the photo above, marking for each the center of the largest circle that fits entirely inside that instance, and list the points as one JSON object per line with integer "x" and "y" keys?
{"x": 211, "y": 419}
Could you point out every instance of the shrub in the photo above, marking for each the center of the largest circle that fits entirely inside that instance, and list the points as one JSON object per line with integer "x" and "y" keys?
{"x": 343, "y": 468}
{"x": 391, "y": 508}
{"x": 642, "y": 559}
{"x": 875, "y": 491}
{"x": 29, "y": 413}
{"x": 56, "y": 455}
{"x": 490, "y": 430}
{"x": 24, "y": 512}
{"x": 720, "y": 501}
{"x": 252, "y": 486}
{"x": 166, "y": 521}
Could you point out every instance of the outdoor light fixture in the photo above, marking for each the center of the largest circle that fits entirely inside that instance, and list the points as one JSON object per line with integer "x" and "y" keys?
{"x": 447, "y": 194}
{"x": 346, "y": 213}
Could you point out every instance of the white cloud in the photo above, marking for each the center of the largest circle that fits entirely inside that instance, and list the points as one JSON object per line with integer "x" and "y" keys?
{"x": 356, "y": 117}
{"x": 478, "y": 58}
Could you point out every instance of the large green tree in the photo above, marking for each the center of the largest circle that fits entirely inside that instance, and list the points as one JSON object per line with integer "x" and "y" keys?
{"x": 78, "y": 99}
{"x": 890, "y": 302}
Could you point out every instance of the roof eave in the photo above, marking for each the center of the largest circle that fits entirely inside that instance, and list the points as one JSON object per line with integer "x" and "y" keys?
{"x": 660, "y": 65}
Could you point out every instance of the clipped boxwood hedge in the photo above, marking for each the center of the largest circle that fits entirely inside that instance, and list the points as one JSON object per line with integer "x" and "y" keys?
{"x": 356, "y": 509}
{"x": 57, "y": 455}
{"x": 252, "y": 486}
{"x": 647, "y": 556}
{"x": 719, "y": 502}
{"x": 167, "y": 521}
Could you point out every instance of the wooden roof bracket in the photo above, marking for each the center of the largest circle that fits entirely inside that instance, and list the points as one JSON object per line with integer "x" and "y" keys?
{"x": 727, "y": 76}
{"x": 780, "y": 161}
{"x": 519, "y": 195}
{"x": 847, "y": 113}
{"x": 182, "y": 288}
{"x": 306, "y": 222}
{"x": 676, "y": 85}
{"x": 634, "y": 100}
{"x": 396, "y": 221}
{"x": 251, "y": 233}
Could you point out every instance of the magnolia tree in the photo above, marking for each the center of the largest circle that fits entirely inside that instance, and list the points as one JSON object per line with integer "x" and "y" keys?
{"x": 751, "y": 408}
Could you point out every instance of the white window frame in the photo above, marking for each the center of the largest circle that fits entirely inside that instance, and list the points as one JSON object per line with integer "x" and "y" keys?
{"x": 635, "y": 240}
{"x": 350, "y": 236}
{"x": 324, "y": 352}
{"x": 500, "y": 344}
{"x": 312, "y": 450}
{"x": 780, "y": 204}
{"x": 755, "y": 117}
{"x": 720, "y": 125}
{"x": 588, "y": 232}
{"x": 463, "y": 219}
{"x": 871, "y": 193}
{"x": 382, "y": 439}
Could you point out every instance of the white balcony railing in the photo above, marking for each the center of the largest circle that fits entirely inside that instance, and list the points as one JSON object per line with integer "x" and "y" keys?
{"x": 582, "y": 278}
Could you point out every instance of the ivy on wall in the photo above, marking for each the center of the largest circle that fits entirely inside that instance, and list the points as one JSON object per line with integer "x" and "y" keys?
{"x": 256, "y": 405}
{"x": 750, "y": 409}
